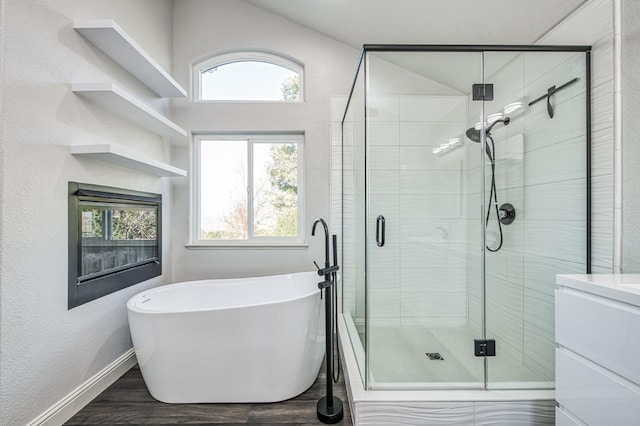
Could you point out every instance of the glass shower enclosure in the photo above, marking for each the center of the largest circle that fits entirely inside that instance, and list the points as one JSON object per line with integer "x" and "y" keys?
{"x": 465, "y": 189}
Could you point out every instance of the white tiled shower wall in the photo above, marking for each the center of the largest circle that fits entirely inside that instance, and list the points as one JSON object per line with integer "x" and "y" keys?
{"x": 593, "y": 25}
{"x": 540, "y": 169}
{"x": 520, "y": 278}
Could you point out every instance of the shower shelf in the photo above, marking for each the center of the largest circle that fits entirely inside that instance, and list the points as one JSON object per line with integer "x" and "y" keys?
{"x": 120, "y": 156}
{"x": 120, "y": 102}
{"x": 109, "y": 37}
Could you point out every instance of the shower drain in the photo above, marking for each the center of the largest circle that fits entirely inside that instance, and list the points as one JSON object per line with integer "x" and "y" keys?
{"x": 434, "y": 356}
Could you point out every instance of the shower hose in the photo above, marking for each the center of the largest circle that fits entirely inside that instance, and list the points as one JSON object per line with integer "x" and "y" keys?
{"x": 493, "y": 196}
{"x": 335, "y": 374}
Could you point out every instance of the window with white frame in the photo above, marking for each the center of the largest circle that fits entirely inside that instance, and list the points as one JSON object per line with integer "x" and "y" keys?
{"x": 249, "y": 189}
{"x": 248, "y": 76}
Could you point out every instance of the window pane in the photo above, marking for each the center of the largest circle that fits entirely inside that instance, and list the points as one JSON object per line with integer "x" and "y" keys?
{"x": 223, "y": 190}
{"x": 116, "y": 236}
{"x": 249, "y": 80}
{"x": 134, "y": 224}
{"x": 275, "y": 174}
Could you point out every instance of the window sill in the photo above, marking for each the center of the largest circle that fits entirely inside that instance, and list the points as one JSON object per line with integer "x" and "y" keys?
{"x": 246, "y": 101}
{"x": 256, "y": 246}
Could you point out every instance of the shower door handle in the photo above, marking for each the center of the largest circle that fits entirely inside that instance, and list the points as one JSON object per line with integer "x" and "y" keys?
{"x": 380, "y": 230}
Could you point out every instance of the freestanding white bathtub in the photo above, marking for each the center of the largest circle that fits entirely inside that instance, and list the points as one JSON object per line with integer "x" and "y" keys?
{"x": 232, "y": 340}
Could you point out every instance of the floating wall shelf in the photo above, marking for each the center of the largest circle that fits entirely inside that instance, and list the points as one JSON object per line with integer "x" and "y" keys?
{"x": 109, "y": 37}
{"x": 117, "y": 100}
{"x": 115, "y": 154}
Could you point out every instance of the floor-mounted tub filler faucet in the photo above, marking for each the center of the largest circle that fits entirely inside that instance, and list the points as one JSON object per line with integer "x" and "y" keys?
{"x": 329, "y": 407}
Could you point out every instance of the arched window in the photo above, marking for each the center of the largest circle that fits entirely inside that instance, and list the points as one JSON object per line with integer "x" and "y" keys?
{"x": 248, "y": 76}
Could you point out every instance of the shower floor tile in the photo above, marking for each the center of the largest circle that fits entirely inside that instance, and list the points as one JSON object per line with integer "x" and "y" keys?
{"x": 398, "y": 359}
{"x": 398, "y": 354}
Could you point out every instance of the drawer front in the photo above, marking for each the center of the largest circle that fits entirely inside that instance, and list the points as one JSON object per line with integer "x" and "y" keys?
{"x": 602, "y": 330}
{"x": 593, "y": 394}
{"x": 562, "y": 419}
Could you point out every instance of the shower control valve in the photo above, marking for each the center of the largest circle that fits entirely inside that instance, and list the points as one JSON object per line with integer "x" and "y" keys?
{"x": 506, "y": 213}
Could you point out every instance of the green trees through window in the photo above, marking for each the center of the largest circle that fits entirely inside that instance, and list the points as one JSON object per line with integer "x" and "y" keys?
{"x": 122, "y": 224}
{"x": 114, "y": 236}
{"x": 290, "y": 88}
{"x": 249, "y": 188}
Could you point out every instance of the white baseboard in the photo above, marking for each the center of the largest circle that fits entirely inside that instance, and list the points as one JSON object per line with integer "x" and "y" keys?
{"x": 64, "y": 409}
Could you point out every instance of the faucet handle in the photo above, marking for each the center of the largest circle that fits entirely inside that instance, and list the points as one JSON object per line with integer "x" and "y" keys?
{"x": 317, "y": 267}
{"x": 328, "y": 270}
{"x": 324, "y": 284}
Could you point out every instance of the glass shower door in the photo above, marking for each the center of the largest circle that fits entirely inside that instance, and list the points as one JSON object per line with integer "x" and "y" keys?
{"x": 423, "y": 245}
{"x": 353, "y": 266}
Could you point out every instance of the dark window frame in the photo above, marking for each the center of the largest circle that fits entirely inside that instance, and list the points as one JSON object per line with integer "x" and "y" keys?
{"x": 86, "y": 290}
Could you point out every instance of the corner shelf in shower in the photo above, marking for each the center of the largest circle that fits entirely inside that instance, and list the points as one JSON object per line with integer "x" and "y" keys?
{"x": 120, "y": 102}
{"x": 120, "y": 156}
{"x": 109, "y": 37}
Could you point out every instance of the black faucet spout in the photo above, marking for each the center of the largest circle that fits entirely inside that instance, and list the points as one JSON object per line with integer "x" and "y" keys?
{"x": 326, "y": 239}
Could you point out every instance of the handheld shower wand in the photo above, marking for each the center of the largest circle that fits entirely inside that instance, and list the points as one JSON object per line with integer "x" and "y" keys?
{"x": 475, "y": 135}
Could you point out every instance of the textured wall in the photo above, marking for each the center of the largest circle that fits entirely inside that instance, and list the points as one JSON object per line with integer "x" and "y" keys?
{"x": 552, "y": 197}
{"x": 630, "y": 136}
{"x": 203, "y": 28}
{"x": 541, "y": 171}
{"x": 593, "y": 25}
{"x": 47, "y": 350}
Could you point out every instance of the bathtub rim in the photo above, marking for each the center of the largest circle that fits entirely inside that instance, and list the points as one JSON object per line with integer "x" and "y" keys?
{"x": 133, "y": 304}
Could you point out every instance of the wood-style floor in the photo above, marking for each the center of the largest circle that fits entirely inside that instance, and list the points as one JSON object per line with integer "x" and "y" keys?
{"x": 127, "y": 402}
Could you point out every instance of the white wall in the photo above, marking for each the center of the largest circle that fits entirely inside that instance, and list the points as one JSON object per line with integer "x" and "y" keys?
{"x": 46, "y": 350}
{"x": 203, "y": 28}
{"x": 630, "y": 136}
{"x": 593, "y": 25}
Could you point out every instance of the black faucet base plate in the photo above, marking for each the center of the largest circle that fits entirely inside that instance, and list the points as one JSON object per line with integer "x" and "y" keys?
{"x": 330, "y": 415}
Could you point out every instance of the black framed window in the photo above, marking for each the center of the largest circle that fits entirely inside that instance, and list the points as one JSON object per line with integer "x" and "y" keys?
{"x": 114, "y": 240}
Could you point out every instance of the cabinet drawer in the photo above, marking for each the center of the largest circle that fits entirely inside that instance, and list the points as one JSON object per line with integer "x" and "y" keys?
{"x": 602, "y": 330}
{"x": 594, "y": 395}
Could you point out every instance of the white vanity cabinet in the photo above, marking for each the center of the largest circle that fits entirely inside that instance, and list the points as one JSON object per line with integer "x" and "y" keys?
{"x": 598, "y": 350}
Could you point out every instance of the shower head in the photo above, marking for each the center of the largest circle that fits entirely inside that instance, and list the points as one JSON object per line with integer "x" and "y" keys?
{"x": 505, "y": 120}
{"x": 474, "y": 134}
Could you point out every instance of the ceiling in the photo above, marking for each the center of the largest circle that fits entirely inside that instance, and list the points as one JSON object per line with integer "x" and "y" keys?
{"x": 358, "y": 22}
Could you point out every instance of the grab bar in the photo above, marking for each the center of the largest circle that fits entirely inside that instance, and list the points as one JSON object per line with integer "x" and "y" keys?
{"x": 380, "y": 230}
